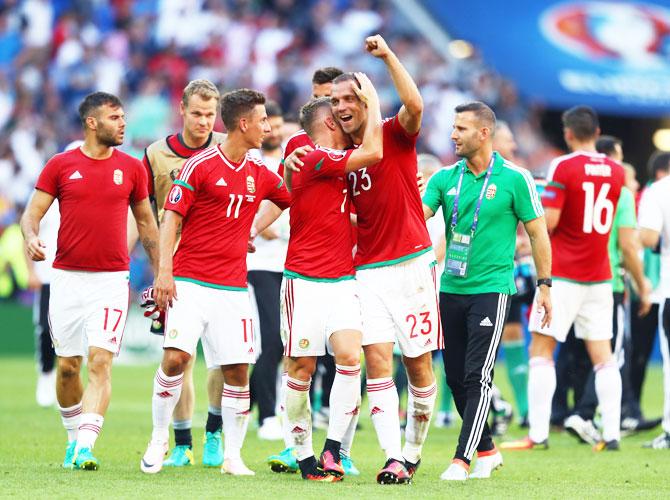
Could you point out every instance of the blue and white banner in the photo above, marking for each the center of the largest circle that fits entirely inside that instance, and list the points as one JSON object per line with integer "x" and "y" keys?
{"x": 613, "y": 55}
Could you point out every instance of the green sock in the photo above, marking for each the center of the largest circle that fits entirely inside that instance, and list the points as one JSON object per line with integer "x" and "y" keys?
{"x": 516, "y": 359}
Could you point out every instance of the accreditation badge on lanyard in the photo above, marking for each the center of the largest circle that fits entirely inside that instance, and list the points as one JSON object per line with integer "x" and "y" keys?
{"x": 458, "y": 249}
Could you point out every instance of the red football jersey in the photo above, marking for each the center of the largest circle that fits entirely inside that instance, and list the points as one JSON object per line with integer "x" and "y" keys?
{"x": 297, "y": 140}
{"x": 93, "y": 196}
{"x": 586, "y": 187}
{"x": 320, "y": 245}
{"x": 219, "y": 200}
{"x": 388, "y": 204}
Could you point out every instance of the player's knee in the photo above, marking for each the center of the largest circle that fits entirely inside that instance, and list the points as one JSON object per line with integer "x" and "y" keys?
{"x": 99, "y": 367}
{"x": 68, "y": 368}
{"x": 378, "y": 363}
{"x": 302, "y": 368}
{"x": 174, "y": 362}
{"x": 541, "y": 346}
{"x": 348, "y": 358}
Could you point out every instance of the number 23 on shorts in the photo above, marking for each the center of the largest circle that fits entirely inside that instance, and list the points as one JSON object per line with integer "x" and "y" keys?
{"x": 420, "y": 324}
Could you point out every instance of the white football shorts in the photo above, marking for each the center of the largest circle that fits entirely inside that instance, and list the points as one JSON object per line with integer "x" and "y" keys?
{"x": 399, "y": 303}
{"x": 589, "y": 306}
{"x": 311, "y": 311}
{"x": 88, "y": 309}
{"x": 220, "y": 319}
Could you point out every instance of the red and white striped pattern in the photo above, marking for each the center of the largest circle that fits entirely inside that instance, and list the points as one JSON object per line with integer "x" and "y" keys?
{"x": 297, "y": 385}
{"x": 381, "y": 386}
{"x": 423, "y": 392}
{"x": 235, "y": 392}
{"x": 70, "y": 412}
{"x": 440, "y": 337}
{"x": 196, "y": 160}
{"x": 168, "y": 384}
{"x": 90, "y": 427}
{"x": 349, "y": 371}
{"x": 288, "y": 300}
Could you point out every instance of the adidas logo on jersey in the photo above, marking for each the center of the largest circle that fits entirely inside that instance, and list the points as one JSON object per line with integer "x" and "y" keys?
{"x": 76, "y": 175}
{"x": 251, "y": 350}
{"x": 376, "y": 410}
{"x": 428, "y": 342}
{"x": 221, "y": 182}
{"x": 112, "y": 340}
{"x": 485, "y": 322}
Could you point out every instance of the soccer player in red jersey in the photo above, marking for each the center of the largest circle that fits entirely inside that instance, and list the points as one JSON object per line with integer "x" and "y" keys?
{"x": 205, "y": 293}
{"x": 394, "y": 268}
{"x": 163, "y": 160}
{"x": 580, "y": 198}
{"x": 88, "y": 306}
{"x": 320, "y": 306}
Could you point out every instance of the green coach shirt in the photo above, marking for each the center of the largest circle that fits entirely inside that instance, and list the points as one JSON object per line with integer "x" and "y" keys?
{"x": 510, "y": 197}
{"x": 624, "y": 217}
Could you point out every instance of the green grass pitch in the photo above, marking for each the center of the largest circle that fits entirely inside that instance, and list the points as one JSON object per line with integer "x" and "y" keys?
{"x": 32, "y": 446}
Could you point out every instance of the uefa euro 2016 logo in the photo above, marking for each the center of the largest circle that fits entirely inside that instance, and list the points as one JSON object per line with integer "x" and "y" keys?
{"x": 630, "y": 34}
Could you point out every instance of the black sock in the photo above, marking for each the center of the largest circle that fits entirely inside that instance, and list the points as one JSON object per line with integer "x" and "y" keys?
{"x": 332, "y": 446}
{"x": 214, "y": 422}
{"x": 182, "y": 437}
{"x": 307, "y": 465}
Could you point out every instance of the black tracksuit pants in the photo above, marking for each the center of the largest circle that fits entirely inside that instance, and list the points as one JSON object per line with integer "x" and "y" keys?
{"x": 263, "y": 381}
{"x": 472, "y": 326}
{"x": 44, "y": 350}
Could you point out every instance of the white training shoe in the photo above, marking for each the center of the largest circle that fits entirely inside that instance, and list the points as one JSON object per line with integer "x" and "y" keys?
{"x": 455, "y": 472}
{"x": 236, "y": 467}
{"x": 46, "y": 389}
{"x": 271, "y": 429}
{"x": 584, "y": 430}
{"x": 484, "y": 466}
{"x": 152, "y": 461}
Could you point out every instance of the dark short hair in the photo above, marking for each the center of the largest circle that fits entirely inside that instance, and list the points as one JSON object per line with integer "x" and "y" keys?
{"x": 582, "y": 121}
{"x": 237, "y": 103}
{"x": 310, "y": 111}
{"x": 326, "y": 75}
{"x": 344, "y": 77}
{"x": 659, "y": 161}
{"x": 273, "y": 109}
{"x": 606, "y": 144}
{"x": 94, "y": 101}
{"x": 483, "y": 112}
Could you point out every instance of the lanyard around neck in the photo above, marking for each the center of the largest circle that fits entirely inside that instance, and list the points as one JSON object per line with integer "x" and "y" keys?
{"x": 454, "y": 211}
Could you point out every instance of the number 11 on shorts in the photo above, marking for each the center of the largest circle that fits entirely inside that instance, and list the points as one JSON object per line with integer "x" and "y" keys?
{"x": 248, "y": 329}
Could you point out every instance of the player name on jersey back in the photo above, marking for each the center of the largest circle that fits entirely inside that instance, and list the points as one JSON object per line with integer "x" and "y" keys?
{"x": 585, "y": 186}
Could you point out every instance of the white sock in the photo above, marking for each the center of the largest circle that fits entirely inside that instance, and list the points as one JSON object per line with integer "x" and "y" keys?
{"x": 70, "y": 417}
{"x": 165, "y": 398}
{"x": 541, "y": 387}
{"x": 235, "y": 404}
{"x": 343, "y": 400}
{"x": 348, "y": 438}
{"x": 420, "y": 404}
{"x": 384, "y": 405}
{"x": 90, "y": 426}
{"x": 299, "y": 417}
{"x": 608, "y": 389}
{"x": 286, "y": 430}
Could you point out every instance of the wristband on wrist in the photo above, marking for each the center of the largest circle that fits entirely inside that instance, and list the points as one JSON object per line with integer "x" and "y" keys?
{"x": 544, "y": 281}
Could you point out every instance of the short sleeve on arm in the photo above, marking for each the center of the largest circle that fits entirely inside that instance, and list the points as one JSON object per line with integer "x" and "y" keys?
{"x": 625, "y": 209}
{"x": 327, "y": 162}
{"x": 182, "y": 194}
{"x": 140, "y": 189}
{"x": 650, "y": 215}
{"x": 150, "y": 174}
{"x": 48, "y": 179}
{"x": 432, "y": 198}
{"x": 527, "y": 204}
{"x": 399, "y": 133}
{"x": 553, "y": 195}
